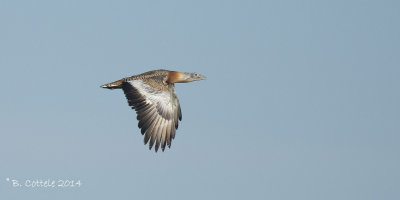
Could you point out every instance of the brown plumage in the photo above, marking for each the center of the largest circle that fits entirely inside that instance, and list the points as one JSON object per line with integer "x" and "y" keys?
{"x": 152, "y": 95}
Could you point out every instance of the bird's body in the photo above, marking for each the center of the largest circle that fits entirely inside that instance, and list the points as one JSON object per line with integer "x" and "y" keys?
{"x": 152, "y": 95}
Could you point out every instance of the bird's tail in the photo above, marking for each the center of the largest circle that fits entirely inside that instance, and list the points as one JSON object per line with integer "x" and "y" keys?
{"x": 113, "y": 85}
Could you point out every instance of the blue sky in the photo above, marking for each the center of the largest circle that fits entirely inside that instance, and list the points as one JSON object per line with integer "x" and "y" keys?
{"x": 301, "y": 99}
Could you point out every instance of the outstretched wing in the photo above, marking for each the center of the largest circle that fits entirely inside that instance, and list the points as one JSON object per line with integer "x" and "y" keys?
{"x": 158, "y": 111}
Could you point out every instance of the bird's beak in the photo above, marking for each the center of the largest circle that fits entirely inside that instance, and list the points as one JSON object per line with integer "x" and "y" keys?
{"x": 202, "y": 77}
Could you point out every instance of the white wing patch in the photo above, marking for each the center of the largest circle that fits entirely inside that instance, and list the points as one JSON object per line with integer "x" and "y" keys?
{"x": 152, "y": 95}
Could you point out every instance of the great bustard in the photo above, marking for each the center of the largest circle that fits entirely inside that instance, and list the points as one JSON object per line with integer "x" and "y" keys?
{"x": 152, "y": 95}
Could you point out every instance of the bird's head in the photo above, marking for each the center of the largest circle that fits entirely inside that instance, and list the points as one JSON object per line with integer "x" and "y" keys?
{"x": 189, "y": 77}
{"x": 184, "y": 77}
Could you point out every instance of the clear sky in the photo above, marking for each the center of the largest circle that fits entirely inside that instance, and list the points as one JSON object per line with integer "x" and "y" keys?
{"x": 301, "y": 99}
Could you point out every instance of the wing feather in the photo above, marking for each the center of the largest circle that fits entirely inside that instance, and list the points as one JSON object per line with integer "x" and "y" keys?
{"x": 156, "y": 133}
{"x": 160, "y": 134}
{"x": 145, "y": 123}
{"x": 167, "y": 135}
{"x": 151, "y": 130}
{"x": 172, "y": 135}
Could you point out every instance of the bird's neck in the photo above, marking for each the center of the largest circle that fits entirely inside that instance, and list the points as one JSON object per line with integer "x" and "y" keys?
{"x": 175, "y": 77}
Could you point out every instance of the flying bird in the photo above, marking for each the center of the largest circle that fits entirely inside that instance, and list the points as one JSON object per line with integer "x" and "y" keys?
{"x": 152, "y": 95}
